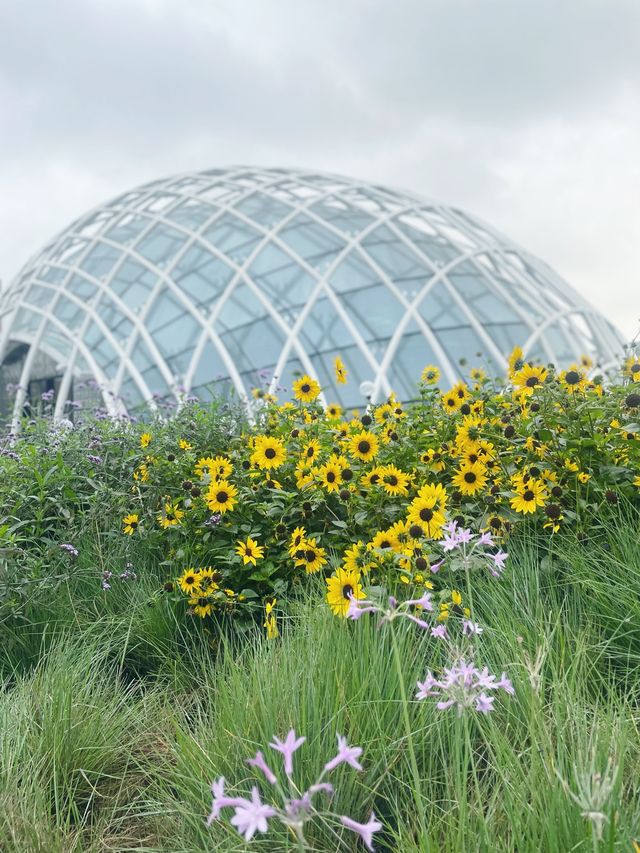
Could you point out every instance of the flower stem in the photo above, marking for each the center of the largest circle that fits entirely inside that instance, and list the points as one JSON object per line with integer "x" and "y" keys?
{"x": 407, "y": 724}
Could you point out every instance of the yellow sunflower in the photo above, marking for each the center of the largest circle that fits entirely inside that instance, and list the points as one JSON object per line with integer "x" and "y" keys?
{"x": 342, "y": 586}
{"x": 340, "y": 371}
{"x": 310, "y": 451}
{"x": 250, "y": 551}
{"x": 131, "y": 522}
{"x": 311, "y": 556}
{"x": 170, "y": 515}
{"x": 424, "y": 513}
{"x": 270, "y": 620}
{"x": 145, "y": 439}
{"x": 470, "y": 478}
{"x": 430, "y": 375}
{"x": 393, "y": 480}
{"x": 333, "y": 412}
{"x": 330, "y": 476}
{"x": 573, "y": 380}
{"x": 306, "y": 389}
{"x": 201, "y": 605}
{"x": 189, "y": 581}
{"x": 364, "y": 445}
{"x": 298, "y": 538}
{"x": 221, "y": 496}
{"x": 269, "y": 452}
{"x": 528, "y": 378}
{"x": 529, "y": 496}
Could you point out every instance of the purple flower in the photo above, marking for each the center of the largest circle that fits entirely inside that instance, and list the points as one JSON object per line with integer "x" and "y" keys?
{"x": 463, "y": 686}
{"x": 346, "y": 754}
{"x": 439, "y": 632}
{"x": 220, "y": 801}
{"x": 425, "y": 688}
{"x": 287, "y": 748}
{"x": 259, "y": 762}
{"x": 486, "y": 539}
{"x": 251, "y": 815}
{"x": 70, "y": 549}
{"x": 364, "y": 830}
{"x": 469, "y": 627}
{"x": 484, "y": 703}
{"x": 499, "y": 560}
{"x": 435, "y": 567}
{"x": 359, "y": 606}
{"x": 424, "y": 601}
{"x": 95, "y": 459}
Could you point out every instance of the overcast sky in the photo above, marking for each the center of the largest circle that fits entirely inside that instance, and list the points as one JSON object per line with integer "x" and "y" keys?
{"x": 524, "y": 112}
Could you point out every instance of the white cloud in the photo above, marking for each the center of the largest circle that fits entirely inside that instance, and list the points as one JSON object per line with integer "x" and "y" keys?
{"x": 526, "y": 114}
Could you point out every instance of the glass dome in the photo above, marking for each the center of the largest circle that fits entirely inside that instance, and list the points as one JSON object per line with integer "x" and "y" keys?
{"x": 236, "y": 278}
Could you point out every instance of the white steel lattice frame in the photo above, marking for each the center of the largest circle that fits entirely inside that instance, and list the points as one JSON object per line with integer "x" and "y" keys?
{"x": 545, "y": 306}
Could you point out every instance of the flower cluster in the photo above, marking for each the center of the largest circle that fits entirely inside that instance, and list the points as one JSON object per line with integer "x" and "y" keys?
{"x": 288, "y": 804}
{"x": 464, "y": 686}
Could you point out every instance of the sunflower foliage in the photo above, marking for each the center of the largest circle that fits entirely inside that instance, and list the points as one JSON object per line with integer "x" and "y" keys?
{"x": 239, "y": 513}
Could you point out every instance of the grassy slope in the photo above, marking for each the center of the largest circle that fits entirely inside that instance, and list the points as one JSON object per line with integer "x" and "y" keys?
{"x": 116, "y": 716}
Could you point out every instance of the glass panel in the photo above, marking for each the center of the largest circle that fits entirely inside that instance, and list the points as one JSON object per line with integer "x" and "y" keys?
{"x": 39, "y": 295}
{"x": 165, "y": 309}
{"x": 133, "y": 283}
{"x": 348, "y": 218}
{"x": 461, "y": 343}
{"x": 161, "y": 244}
{"x": 26, "y": 321}
{"x": 439, "y": 309}
{"x": 54, "y": 339}
{"x": 264, "y": 210}
{"x": 412, "y": 355}
{"x": 128, "y": 228}
{"x": 70, "y": 313}
{"x": 201, "y": 275}
{"x": 130, "y": 393}
{"x": 82, "y": 288}
{"x": 210, "y": 367}
{"x": 119, "y": 325}
{"x": 479, "y": 296}
{"x": 281, "y": 278}
{"x": 397, "y": 260}
{"x": 141, "y": 356}
{"x": 240, "y": 308}
{"x": 192, "y": 213}
{"x": 233, "y": 237}
{"x": 310, "y": 241}
{"x": 375, "y": 311}
{"x": 155, "y": 382}
{"x": 353, "y": 272}
{"x": 69, "y": 250}
{"x": 101, "y": 260}
{"x": 177, "y": 335}
{"x": 256, "y": 345}
{"x": 54, "y": 275}
{"x": 98, "y": 345}
{"x": 324, "y": 329}
{"x": 437, "y": 248}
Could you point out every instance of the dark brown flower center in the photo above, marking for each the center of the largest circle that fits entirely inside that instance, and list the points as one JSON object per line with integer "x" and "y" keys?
{"x": 572, "y": 377}
{"x": 532, "y": 381}
{"x": 364, "y": 446}
{"x": 426, "y": 514}
{"x": 347, "y": 591}
{"x": 470, "y": 477}
{"x": 222, "y": 497}
{"x": 528, "y": 495}
{"x": 270, "y": 453}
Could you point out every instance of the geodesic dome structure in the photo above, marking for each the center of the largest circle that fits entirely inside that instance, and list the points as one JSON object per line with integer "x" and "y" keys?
{"x": 211, "y": 281}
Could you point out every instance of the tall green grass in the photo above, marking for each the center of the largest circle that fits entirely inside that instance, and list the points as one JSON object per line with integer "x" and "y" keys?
{"x": 117, "y": 713}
